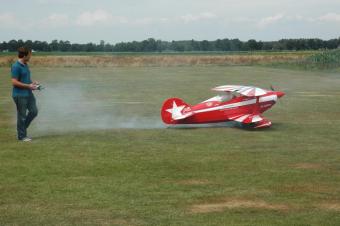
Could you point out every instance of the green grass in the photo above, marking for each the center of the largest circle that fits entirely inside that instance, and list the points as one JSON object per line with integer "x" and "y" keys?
{"x": 151, "y": 175}
{"x": 326, "y": 59}
{"x": 321, "y": 60}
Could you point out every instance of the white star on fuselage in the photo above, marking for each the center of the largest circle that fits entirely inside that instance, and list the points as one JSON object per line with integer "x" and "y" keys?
{"x": 175, "y": 110}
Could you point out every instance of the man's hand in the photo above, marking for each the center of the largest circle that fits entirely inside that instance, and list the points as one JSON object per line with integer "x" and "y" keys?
{"x": 33, "y": 86}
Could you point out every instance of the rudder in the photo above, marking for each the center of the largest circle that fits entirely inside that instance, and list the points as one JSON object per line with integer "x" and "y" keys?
{"x": 168, "y": 106}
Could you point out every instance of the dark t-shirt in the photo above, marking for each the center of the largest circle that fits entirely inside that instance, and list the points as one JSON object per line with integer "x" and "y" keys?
{"x": 22, "y": 73}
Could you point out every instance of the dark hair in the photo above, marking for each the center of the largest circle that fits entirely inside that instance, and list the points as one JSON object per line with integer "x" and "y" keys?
{"x": 23, "y": 51}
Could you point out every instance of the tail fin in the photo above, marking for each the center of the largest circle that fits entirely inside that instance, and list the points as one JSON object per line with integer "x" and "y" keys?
{"x": 174, "y": 109}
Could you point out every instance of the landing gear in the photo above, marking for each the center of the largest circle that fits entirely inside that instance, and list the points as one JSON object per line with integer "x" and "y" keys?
{"x": 257, "y": 125}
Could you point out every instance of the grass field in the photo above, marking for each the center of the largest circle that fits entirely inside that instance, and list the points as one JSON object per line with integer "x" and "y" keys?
{"x": 101, "y": 156}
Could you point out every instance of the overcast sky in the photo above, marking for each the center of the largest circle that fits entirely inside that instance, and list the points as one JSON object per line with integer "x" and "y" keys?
{"x": 82, "y": 21}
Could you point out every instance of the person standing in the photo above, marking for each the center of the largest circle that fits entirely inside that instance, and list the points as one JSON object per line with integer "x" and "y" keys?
{"x": 22, "y": 93}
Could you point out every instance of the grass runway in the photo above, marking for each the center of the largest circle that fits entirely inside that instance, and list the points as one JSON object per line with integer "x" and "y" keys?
{"x": 101, "y": 155}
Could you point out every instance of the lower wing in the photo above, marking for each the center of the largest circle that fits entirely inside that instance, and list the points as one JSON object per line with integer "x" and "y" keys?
{"x": 258, "y": 119}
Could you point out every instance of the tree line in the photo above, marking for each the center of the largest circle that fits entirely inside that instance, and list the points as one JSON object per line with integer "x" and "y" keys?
{"x": 153, "y": 45}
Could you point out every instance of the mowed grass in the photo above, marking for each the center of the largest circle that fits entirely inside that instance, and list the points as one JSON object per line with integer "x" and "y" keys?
{"x": 288, "y": 174}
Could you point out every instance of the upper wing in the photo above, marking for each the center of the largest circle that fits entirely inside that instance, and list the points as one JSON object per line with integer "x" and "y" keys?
{"x": 249, "y": 91}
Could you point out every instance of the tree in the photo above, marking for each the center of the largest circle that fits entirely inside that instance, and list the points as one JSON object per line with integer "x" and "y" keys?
{"x": 267, "y": 46}
{"x": 108, "y": 48}
{"x": 235, "y": 45}
{"x": 331, "y": 44}
{"x": 195, "y": 46}
{"x": 90, "y": 47}
{"x": 64, "y": 46}
{"x": 101, "y": 46}
{"x": 205, "y": 45}
{"x": 12, "y": 45}
{"x": 177, "y": 46}
{"x": 225, "y": 45}
{"x": 54, "y": 45}
{"x": 252, "y": 45}
{"x": 28, "y": 43}
{"x": 152, "y": 45}
{"x": 4, "y": 46}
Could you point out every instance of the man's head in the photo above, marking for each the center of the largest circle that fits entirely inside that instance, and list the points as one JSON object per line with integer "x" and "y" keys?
{"x": 24, "y": 54}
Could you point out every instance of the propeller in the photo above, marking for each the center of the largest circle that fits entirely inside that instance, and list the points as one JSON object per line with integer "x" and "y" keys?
{"x": 272, "y": 89}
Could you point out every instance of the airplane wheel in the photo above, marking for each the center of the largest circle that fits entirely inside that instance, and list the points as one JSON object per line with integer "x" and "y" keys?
{"x": 248, "y": 125}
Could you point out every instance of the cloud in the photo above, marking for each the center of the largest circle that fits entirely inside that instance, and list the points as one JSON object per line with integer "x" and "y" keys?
{"x": 267, "y": 21}
{"x": 330, "y": 17}
{"x": 188, "y": 18}
{"x": 56, "y": 20}
{"x": 99, "y": 17}
{"x": 8, "y": 20}
{"x": 164, "y": 20}
{"x": 144, "y": 21}
{"x": 48, "y": 2}
{"x": 92, "y": 18}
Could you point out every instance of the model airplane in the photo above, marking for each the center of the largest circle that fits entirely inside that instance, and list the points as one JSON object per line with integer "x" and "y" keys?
{"x": 243, "y": 104}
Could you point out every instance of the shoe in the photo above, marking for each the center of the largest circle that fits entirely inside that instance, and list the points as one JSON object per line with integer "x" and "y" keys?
{"x": 26, "y": 139}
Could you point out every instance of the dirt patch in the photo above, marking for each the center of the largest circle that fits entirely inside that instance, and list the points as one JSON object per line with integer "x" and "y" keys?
{"x": 194, "y": 182}
{"x": 305, "y": 165}
{"x": 303, "y": 188}
{"x": 330, "y": 206}
{"x": 236, "y": 204}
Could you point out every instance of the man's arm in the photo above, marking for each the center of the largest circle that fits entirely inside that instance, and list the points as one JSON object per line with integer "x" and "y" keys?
{"x": 21, "y": 85}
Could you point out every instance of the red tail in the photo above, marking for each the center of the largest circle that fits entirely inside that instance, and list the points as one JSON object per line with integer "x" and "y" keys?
{"x": 168, "y": 108}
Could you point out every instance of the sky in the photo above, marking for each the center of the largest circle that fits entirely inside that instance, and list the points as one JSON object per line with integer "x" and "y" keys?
{"x": 83, "y": 21}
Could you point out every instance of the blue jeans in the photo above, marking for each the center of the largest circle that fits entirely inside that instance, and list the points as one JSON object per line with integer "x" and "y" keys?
{"x": 26, "y": 111}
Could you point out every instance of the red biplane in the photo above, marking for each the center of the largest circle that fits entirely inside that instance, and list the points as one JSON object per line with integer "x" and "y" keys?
{"x": 243, "y": 104}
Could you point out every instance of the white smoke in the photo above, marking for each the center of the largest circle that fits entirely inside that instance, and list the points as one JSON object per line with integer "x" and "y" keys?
{"x": 70, "y": 107}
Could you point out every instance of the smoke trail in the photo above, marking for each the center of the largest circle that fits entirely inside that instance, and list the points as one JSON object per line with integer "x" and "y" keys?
{"x": 70, "y": 107}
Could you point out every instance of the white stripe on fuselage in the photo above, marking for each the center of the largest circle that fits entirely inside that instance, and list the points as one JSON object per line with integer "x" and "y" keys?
{"x": 239, "y": 104}
{"x": 268, "y": 98}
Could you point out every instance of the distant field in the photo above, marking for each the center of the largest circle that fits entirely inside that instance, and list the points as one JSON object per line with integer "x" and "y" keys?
{"x": 101, "y": 155}
{"x": 60, "y": 59}
{"x": 306, "y": 52}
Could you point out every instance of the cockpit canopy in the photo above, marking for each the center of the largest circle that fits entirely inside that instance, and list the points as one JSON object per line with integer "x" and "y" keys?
{"x": 249, "y": 91}
{"x": 223, "y": 97}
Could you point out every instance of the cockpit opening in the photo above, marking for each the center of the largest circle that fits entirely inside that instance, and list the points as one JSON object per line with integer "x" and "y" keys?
{"x": 223, "y": 97}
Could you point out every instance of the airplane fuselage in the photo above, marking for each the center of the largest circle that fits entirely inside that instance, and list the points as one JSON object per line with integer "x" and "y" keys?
{"x": 243, "y": 104}
{"x": 216, "y": 111}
